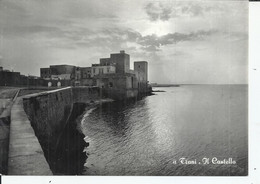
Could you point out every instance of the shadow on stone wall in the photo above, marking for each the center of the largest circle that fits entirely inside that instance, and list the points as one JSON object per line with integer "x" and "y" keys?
{"x": 64, "y": 144}
{"x": 54, "y": 117}
{"x": 69, "y": 157}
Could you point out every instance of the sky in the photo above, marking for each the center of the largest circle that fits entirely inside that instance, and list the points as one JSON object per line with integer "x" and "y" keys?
{"x": 184, "y": 42}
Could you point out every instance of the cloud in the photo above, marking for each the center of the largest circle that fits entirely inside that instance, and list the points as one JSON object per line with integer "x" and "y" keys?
{"x": 117, "y": 38}
{"x": 194, "y": 10}
{"x": 164, "y": 11}
{"x": 154, "y": 42}
{"x": 158, "y": 11}
{"x": 23, "y": 30}
{"x": 150, "y": 48}
{"x": 112, "y": 38}
{"x": 38, "y": 33}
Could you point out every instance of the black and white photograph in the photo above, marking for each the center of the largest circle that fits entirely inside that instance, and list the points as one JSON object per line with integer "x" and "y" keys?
{"x": 124, "y": 87}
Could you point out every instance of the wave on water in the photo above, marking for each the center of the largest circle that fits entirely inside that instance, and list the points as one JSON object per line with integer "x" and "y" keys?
{"x": 88, "y": 112}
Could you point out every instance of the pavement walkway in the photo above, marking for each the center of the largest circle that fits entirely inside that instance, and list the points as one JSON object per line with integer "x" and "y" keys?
{"x": 25, "y": 153}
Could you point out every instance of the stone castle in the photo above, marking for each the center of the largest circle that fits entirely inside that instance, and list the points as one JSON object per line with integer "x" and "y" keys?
{"x": 113, "y": 75}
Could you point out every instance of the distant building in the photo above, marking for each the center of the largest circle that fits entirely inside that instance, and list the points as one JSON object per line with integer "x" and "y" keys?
{"x": 113, "y": 75}
{"x": 11, "y": 78}
{"x": 124, "y": 83}
{"x": 141, "y": 71}
{"x": 120, "y": 60}
{"x": 8, "y": 78}
{"x": 105, "y": 61}
{"x": 60, "y": 75}
{"x": 85, "y": 72}
{"x": 58, "y": 72}
{"x": 33, "y": 77}
{"x": 99, "y": 69}
{"x": 45, "y": 73}
{"x": 62, "y": 69}
{"x": 86, "y": 79}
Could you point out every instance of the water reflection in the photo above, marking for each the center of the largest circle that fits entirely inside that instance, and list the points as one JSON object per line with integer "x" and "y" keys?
{"x": 143, "y": 138}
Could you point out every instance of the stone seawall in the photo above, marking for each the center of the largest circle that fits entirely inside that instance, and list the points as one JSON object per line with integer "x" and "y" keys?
{"x": 52, "y": 116}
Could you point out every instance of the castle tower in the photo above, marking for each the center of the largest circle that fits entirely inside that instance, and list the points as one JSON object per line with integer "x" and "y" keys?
{"x": 141, "y": 72}
{"x": 141, "y": 68}
{"x": 122, "y": 61}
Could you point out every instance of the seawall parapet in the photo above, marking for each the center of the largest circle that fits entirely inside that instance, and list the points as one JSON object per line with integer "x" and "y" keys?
{"x": 45, "y": 124}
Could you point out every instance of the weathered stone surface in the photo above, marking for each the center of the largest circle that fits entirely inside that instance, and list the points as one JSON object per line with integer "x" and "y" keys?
{"x": 43, "y": 132}
{"x": 25, "y": 153}
{"x": 43, "y": 128}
